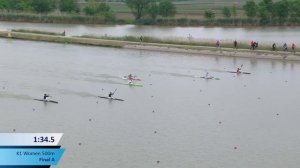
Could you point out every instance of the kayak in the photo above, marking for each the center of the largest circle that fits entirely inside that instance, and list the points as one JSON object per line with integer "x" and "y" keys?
{"x": 248, "y": 73}
{"x": 204, "y": 77}
{"x": 110, "y": 98}
{"x": 133, "y": 84}
{"x": 46, "y": 101}
{"x": 127, "y": 78}
{"x": 210, "y": 77}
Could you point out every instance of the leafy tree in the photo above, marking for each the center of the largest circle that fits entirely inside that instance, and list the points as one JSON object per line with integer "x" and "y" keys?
{"x": 95, "y": 7}
{"x": 234, "y": 11}
{"x": 250, "y": 9}
{"x": 264, "y": 14}
{"x": 5, "y": 5}
{"x": 153, "y": 11}
{"x": 103, "y": 8}
{"x": 166, "y": 8}
{"x": 139, "y": 7}
{"x": 209, "y": 14}
{"x": 91, "y": 7}
{"x": 16, "y": 5}
{"x": 294, "y": 9}
{"x": 281, "y": 9}
{"x": 268, "y": 4}
{"x": 43, "y": 6}
{"x": 226, "y": 12}
{"x": 68, "y": 6}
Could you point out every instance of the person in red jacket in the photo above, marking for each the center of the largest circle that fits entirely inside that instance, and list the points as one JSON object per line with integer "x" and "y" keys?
{"x": 294, "y": 47}
{"x": 251, "y": 44}
{"x": 218, "y": 44}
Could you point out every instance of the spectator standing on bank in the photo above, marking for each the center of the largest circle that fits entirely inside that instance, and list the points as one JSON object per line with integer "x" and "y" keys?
{"x": 235, "y": 44}
{"x": 294, "y": 47}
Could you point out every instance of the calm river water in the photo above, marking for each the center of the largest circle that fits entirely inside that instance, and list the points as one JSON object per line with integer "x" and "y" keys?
{"x": 262, "y": 34}
{"x": 174, "y": 121}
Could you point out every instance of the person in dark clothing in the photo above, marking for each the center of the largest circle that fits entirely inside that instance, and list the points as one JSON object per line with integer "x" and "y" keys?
{"x": 256, "y": 44}
{"x": 218, "y": 44}
{"x": 235, "y": 44}
{"x": 63, "y": 33}
{"x": 253, "y": 44}
{"x": 110, "y": 94}
{"x": 46, "y": 96}
{"x": 274, "y": 47}
{"x": 141, "y": 39}
{"x": 285, "y": 47}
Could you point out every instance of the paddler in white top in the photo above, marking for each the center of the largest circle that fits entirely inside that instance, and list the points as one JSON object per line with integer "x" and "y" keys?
{"x": 207, "y": 75}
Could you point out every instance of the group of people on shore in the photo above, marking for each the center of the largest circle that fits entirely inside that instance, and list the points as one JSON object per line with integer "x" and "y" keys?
{"x": 285, "y": 47}
{"x": 254, "y": 45}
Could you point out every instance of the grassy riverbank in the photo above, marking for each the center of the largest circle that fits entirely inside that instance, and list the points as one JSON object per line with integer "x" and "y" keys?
{"x": 188, "y": 42}
{"x": 60, "y": 39}
{"x": 155, "y": 44}
{"x": 36, "y": 32}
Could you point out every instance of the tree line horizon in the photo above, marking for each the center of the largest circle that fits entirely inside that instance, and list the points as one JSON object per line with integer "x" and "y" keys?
{"x": 265, "y": 11}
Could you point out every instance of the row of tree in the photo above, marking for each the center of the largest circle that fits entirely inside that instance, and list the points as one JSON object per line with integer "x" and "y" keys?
{"x": 151, "y": 8}
{"x": 266, "y": 11}
{"x": 92, "y": 7}
{"x": 38, "y": 6}
{"x": 139, "y": 8}
{"x": 227, "y": 13}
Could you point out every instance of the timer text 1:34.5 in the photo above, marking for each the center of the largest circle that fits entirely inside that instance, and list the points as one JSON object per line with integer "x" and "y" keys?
{"x": 44, "y": 139}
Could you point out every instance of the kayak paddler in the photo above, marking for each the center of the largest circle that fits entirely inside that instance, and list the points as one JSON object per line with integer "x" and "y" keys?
{"x": 46, "y": 96}
{"x": 130, "y": 76}
{"x": 207, "y": 75}
{"x": 110, "y": 94}
{"x": 238, "y": 70}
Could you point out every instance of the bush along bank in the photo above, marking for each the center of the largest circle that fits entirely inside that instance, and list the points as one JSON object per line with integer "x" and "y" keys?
{"x": 82, "y": 19}
{"x": 42, "y": 18}
{"x": 216, "y": 22}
